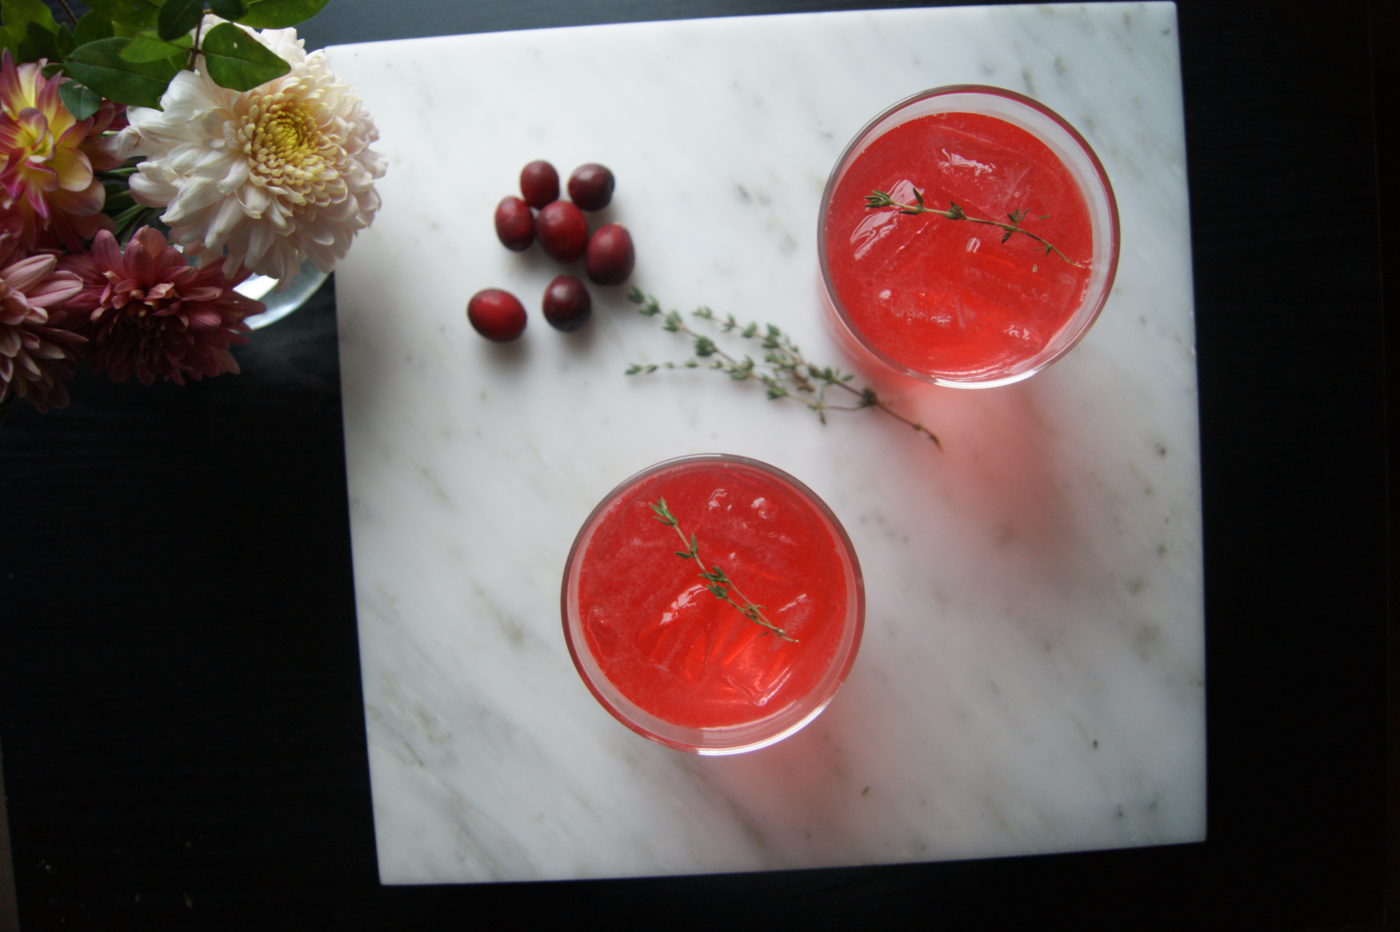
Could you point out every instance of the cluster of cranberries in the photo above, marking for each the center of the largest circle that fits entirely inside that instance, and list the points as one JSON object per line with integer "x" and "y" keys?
{"x": 562, "y": 230}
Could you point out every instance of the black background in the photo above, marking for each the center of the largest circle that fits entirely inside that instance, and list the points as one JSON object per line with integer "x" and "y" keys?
{"x": 180, "y": 709}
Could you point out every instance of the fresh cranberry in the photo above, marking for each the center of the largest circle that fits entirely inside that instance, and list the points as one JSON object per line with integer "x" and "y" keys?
{"x": 591, "y": 186}
{"x": 610, "y": 255}
{"x": 562, "y": 230}
{"x": 515, "y": 223}
{"x": 497, "y": 315}
{"x": 539, "y": 183}
{"x": 566, "y": 303}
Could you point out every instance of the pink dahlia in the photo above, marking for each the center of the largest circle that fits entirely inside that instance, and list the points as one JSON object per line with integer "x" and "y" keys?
{"x": 37, "y": 350}
{"x": 47, "y": 159}
{"x": 152, "y": 315}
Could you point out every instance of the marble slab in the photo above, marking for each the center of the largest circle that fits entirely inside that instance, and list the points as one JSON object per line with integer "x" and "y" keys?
{"x": 1032, "y": 675}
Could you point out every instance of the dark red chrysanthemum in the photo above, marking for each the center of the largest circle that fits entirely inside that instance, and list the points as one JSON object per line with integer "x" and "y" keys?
{"x": 151, "y": 315}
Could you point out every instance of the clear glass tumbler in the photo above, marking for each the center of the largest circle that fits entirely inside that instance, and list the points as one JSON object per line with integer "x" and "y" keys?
{"x": 968, "y": 237}
{"x": 713, "y": 603}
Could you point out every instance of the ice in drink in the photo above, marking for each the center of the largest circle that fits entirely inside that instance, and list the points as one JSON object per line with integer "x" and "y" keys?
{"x": 675, "y": 662}
{"x": 960, "y": 301}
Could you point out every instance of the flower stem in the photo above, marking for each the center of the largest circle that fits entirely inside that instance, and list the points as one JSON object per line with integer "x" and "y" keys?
{"x": 719, "y": 584}
{"x": 879, "y": 200}
{"x": 194, "y": 46}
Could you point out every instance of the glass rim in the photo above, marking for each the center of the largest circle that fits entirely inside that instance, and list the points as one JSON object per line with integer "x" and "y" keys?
{"x": 749, "y": 736}
{"x": 1100, "y": 200}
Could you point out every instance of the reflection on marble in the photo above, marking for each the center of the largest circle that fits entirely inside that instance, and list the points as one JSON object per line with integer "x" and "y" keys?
{"x": 1032, "y": 675}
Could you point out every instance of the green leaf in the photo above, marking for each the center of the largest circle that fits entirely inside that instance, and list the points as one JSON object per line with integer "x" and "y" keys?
{"x": 279, "y": 14}
{"x": 63, "y": 41}
{"x": 178, "y": 17}
{"x": 118, "y": 200}
{"x": 130, "y": 217}
{"x": 38, "y": 43}
{"x": 91, "y": 27}
{"x": 99, "y": 65}
{"x": 138, "y": 13}
{"x": 140, "y": 49}
{"x": 80, "y": 100}
{"x": 16, "y": 14}
{"x": 228, "y": 9}
{"x": 236, "y": 60}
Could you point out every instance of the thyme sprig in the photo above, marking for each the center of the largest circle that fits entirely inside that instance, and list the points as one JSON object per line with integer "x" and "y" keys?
{"x": 781, "y": 368}
{"x": 716, "y": 581}
{"x": 879, "y": 200}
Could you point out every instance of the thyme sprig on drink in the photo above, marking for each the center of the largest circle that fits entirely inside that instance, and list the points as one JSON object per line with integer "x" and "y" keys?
{"x": 716, "y": 581}
{"x": 782, "y": 369}
{"x": 879, "y": 200}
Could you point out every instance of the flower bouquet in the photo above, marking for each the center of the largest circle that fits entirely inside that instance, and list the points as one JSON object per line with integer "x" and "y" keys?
{"x": 153, "y": 156}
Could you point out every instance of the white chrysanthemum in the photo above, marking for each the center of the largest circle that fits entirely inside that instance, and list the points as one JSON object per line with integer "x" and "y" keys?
{"x": 263, "y": 178}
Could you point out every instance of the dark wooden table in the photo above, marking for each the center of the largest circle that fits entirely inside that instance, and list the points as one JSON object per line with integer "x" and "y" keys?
{"x": 180, "y": 711}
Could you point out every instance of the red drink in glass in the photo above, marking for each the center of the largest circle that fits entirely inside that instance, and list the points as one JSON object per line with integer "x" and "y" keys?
{"x": 677, "y": 664}
{"x": 949, "y": 300}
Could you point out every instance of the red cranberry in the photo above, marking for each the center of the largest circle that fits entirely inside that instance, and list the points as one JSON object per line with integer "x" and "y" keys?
{"x": 515, "y": 224}
{"x": 591, "y": 186}
{"x": 610, "y": 255}
{"x": 566, "y": 303}
{"x": 497, "y": 315}
{"x": 539, "y": 182}
{"x": 562, "y": 230}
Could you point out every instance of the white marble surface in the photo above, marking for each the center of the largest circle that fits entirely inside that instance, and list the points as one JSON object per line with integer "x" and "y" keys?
{"x": 1032, "y": 675}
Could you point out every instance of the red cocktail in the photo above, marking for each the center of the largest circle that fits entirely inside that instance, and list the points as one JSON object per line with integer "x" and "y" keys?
{"x": 996, "y": 248}
{"x": 737, "y": 659}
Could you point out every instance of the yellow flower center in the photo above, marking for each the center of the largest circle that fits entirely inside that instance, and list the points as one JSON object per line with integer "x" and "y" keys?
{"x": 287, "y": 150}
{"x": 286, "y": 134}
{"x": 38, "y": 142}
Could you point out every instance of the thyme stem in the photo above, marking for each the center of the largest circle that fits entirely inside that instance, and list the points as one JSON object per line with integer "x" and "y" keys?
{"x": 719, "y": 584}
{"x": 879, "y": 200}
{"x": 783, "y": 371}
